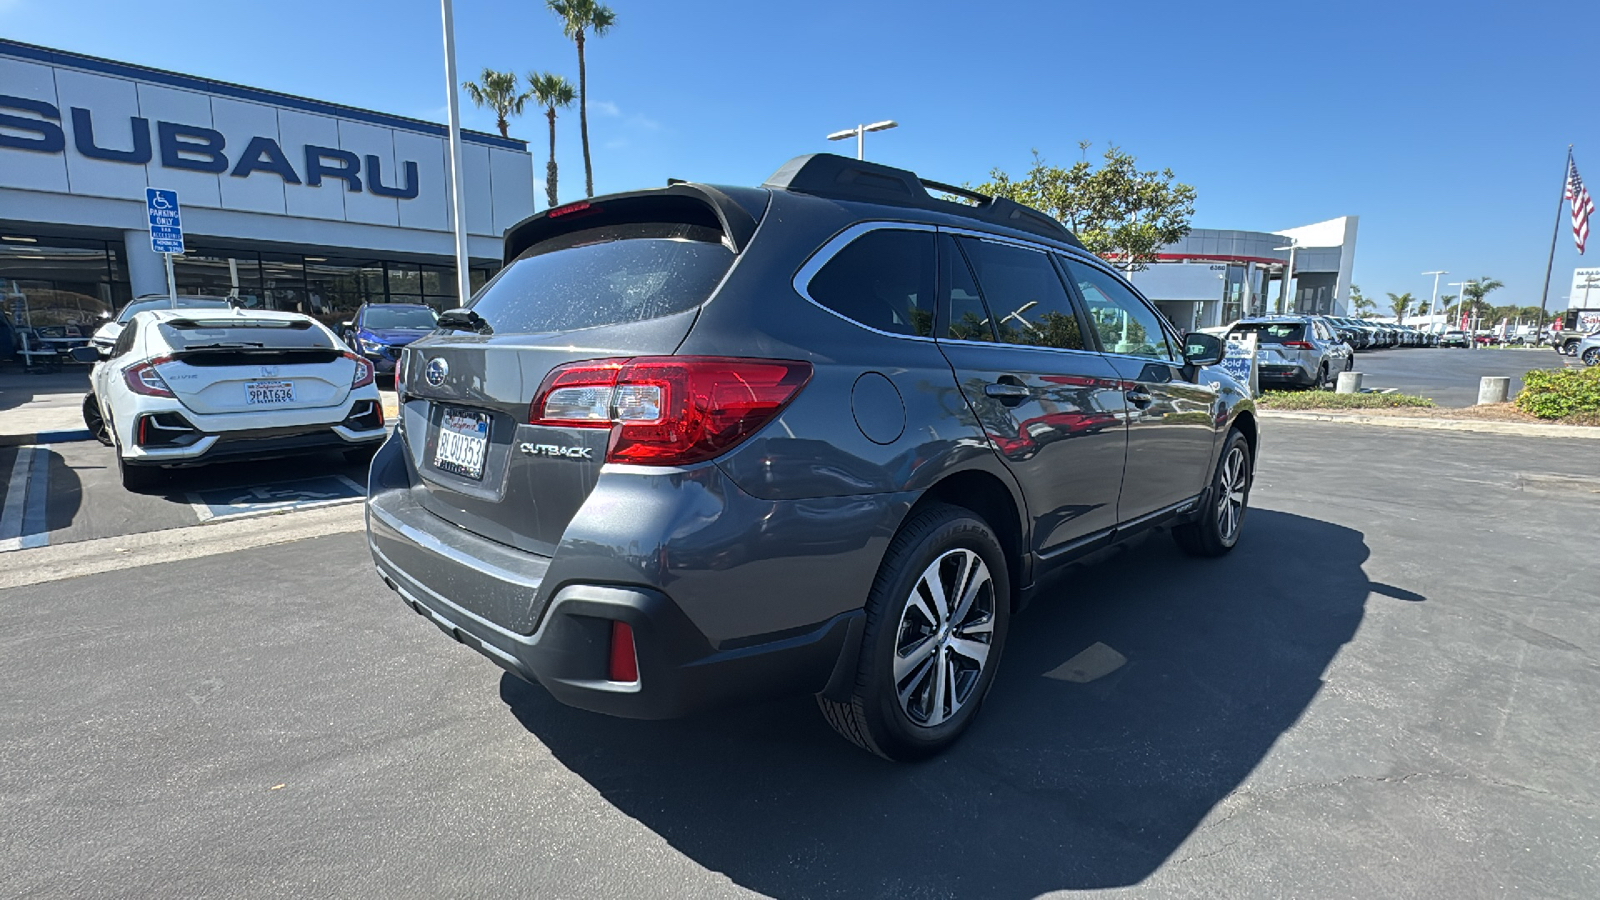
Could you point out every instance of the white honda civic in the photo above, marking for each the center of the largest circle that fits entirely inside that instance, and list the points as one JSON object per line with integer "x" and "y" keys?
{"x": 189, "y": 386}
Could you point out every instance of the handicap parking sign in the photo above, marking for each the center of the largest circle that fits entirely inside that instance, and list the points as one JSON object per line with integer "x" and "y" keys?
{"x": 166, "y": 225}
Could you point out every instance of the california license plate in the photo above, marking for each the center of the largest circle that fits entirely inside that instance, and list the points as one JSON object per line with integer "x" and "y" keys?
{"x": 266, "y": 393}
{"x": 463, "y": 442}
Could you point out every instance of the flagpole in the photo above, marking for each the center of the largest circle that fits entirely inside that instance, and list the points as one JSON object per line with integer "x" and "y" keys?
{"x": 1544, "y": 298}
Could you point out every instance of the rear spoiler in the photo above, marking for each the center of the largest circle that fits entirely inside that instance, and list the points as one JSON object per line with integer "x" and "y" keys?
{"x": 734, "y": 211}
{"x": 186, "y": 322}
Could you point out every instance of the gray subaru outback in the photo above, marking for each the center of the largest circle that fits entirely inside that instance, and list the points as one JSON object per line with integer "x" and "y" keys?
{"x": 704, "y": 444}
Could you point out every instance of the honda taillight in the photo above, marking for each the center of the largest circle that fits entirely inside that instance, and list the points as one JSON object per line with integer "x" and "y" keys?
{"x": 1298, "y": 345}
{"x": 363, "y": 375}
{"x": 669, "y": 410}
{"x": 142, "y": 378}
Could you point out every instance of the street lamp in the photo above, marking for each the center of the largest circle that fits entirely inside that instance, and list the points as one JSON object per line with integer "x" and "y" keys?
{"x": 1288, "y": 276}
{"x": 1461, "y": 300}
{"x": 859, "y": 133}
{"x": 1432, "y": 302}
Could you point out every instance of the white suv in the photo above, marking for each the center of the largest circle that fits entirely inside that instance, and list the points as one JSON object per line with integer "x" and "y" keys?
{"x": 185, "y": 386}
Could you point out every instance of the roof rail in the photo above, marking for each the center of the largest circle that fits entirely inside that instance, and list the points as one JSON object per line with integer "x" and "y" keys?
{"x": 840, "y": 178}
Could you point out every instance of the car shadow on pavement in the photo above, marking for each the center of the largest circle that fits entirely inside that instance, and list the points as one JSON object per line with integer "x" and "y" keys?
{"x": 1088, "y": 775}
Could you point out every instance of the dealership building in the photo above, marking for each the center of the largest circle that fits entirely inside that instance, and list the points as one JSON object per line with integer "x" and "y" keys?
{"x": 288, "y": 203}
{"x": 1212, "y": 277}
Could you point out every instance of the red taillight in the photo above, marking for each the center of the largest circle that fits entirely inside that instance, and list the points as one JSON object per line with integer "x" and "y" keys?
{"x": 363, "y": 375}
{"x": 142, "y": 378}
{"x": 623, "y": 662}
{"x": 669, "y": 410}
{"x": 1298, "y": 345}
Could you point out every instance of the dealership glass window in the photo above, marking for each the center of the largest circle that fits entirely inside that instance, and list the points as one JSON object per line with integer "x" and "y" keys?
{"x": 220, "y": 273}
{"x": 65, "y": 285}
{"x": 283, "y": 281}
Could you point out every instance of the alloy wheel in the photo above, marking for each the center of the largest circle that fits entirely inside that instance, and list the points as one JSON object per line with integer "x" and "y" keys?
{"x": 1591, "y": 356}
{"x": 946, "y": 631}
{"x": 1230, "y": 505}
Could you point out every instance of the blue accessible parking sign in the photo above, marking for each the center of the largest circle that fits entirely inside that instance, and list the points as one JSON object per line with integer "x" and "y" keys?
{"x": 166, "y": 226}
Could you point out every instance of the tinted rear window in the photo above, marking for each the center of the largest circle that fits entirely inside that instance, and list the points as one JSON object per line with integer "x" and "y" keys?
{"x": 199, "y": 333}
{"x": 605, "y": 276}
{"x": 883, "y": 279}
{"x": 1272, "y": 332}
{"x": 399, "y": 317}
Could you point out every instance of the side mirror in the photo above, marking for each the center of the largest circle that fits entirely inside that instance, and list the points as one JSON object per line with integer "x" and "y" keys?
{"x": 1200, "y": 349}
{"x": 85, "y": 354}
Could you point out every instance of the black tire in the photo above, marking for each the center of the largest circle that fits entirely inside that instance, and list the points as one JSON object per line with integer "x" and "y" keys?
{"x": 135, "y": 478}
{"x": 95, "y": 422}
{"x": 945, "y": 541}
{"x": 1570, "y": 348}
{"x": 1214, "y": 532}
{"x": 1322, "y": 378}
{"x": 1591, "y": 356}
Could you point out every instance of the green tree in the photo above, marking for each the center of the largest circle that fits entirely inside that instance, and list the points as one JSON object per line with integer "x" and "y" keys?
{"x": 1401, "y": 304}
{"x": 580, "y": 18}
{"x": 1360, "y": 303}
{"x": 498, "y": 91}
{"x": 1474, "y": 292}
{"x": 1116, "y": 210}
{"x": 552, "y": 92}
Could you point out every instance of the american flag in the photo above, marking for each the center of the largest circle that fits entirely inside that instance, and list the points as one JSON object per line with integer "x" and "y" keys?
{"x": 1582, "y": 206}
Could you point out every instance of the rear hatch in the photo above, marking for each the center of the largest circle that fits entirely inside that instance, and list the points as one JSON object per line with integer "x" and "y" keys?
{"x": 240, "y": 364}
{"x": 610, "y": 278}
{"x": 1277, "y": 343}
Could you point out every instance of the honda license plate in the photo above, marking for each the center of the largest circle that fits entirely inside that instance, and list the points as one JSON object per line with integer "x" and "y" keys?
{"x": 463, "y": 442}
{"x": 267, "y": 393}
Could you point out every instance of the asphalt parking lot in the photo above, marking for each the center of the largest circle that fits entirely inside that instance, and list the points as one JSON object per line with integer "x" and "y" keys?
{"x": 1392, "y": 688}
{"x": 1449, "y": 377}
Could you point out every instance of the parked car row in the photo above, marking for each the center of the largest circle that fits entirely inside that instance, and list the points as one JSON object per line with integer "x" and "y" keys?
{"x": 1364, "y": 335}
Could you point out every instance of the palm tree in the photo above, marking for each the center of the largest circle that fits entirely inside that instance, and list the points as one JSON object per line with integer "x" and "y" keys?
{"x": 1474, "y": 292}
{"x": 579, "y": 18}
{"x": 498, "y": 91}
{"x": 1401, "y": 304}
{"x": 552, "y": 92}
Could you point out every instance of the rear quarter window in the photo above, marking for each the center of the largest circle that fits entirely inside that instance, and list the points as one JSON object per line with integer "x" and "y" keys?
{"x": 606, "y": 276}
{"x": 883, "y": 279}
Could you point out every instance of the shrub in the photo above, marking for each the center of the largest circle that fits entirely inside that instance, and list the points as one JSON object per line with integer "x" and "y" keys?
{"x": 1331, "y": 400}
{"x": 1559, "y": 393}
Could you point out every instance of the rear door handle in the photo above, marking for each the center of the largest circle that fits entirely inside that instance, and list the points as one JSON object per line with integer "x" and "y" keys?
{"x": 1140, "y": 398}
{"x": 1006, "y": 392}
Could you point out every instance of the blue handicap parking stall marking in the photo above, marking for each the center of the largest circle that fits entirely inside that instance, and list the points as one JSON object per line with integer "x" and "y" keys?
{"x": 221, "y": 503}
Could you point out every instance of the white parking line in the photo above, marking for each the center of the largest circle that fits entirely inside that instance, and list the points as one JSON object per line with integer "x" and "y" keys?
{"x": 23, "y": 520}
{"x": 16, "y": 497}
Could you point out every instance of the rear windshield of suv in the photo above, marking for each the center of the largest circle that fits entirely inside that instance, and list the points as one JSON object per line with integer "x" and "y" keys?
{"x": 606, "y": 276}
{"x": 1271, "y": 332}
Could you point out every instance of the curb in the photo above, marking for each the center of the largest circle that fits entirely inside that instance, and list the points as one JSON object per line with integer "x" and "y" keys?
{"x": 1512, "y": 428}
{"x": 45, "y": 437}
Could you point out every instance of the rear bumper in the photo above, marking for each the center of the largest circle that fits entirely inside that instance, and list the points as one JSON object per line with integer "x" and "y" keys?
{"x": 200, "y": 447}
{"x": 1286, "y": 374}
{"x": 719, "y": 630}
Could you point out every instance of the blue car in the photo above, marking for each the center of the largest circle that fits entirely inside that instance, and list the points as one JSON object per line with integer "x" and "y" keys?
{"x": 379, "y": 330}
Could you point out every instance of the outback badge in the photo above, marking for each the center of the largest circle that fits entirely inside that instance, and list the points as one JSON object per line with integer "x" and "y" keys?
{"x": 533, "y": 449}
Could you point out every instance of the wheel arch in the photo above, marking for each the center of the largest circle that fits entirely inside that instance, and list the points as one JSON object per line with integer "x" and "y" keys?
{"x": 1246, "y": 424}
{"x": 987, "y": 496}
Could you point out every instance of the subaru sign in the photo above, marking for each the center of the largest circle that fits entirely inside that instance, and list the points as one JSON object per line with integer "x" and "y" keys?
{"x": 166, "y": 226}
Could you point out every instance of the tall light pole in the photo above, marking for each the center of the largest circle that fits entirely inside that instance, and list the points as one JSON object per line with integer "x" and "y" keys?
{"x": 1288, "y": 276}
{"x": 1461, "y": 299}
{"x": 458, "y": 199}
{"x": 859, "y": 133}
{"x": 1435, "y": 300}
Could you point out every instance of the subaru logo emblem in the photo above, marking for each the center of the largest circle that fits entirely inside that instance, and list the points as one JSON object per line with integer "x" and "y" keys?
{"x": 436, "y": 371}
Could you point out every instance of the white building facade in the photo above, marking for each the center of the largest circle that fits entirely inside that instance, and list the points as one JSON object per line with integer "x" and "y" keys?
{"x": 288, "y": 203}
{"x": 1214, "y": 276}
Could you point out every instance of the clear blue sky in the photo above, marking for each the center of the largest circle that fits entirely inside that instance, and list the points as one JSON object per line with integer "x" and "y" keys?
{"x": 1444, "y": 125}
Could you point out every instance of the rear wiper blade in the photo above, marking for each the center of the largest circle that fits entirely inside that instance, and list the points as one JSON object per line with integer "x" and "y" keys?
{"x": 463, "y": 319}
{"x": 231, "y": 345}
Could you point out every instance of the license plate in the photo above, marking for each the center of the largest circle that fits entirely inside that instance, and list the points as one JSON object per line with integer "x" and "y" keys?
{"x": 266, "y": 393}
{"x": 463, "y": 442}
